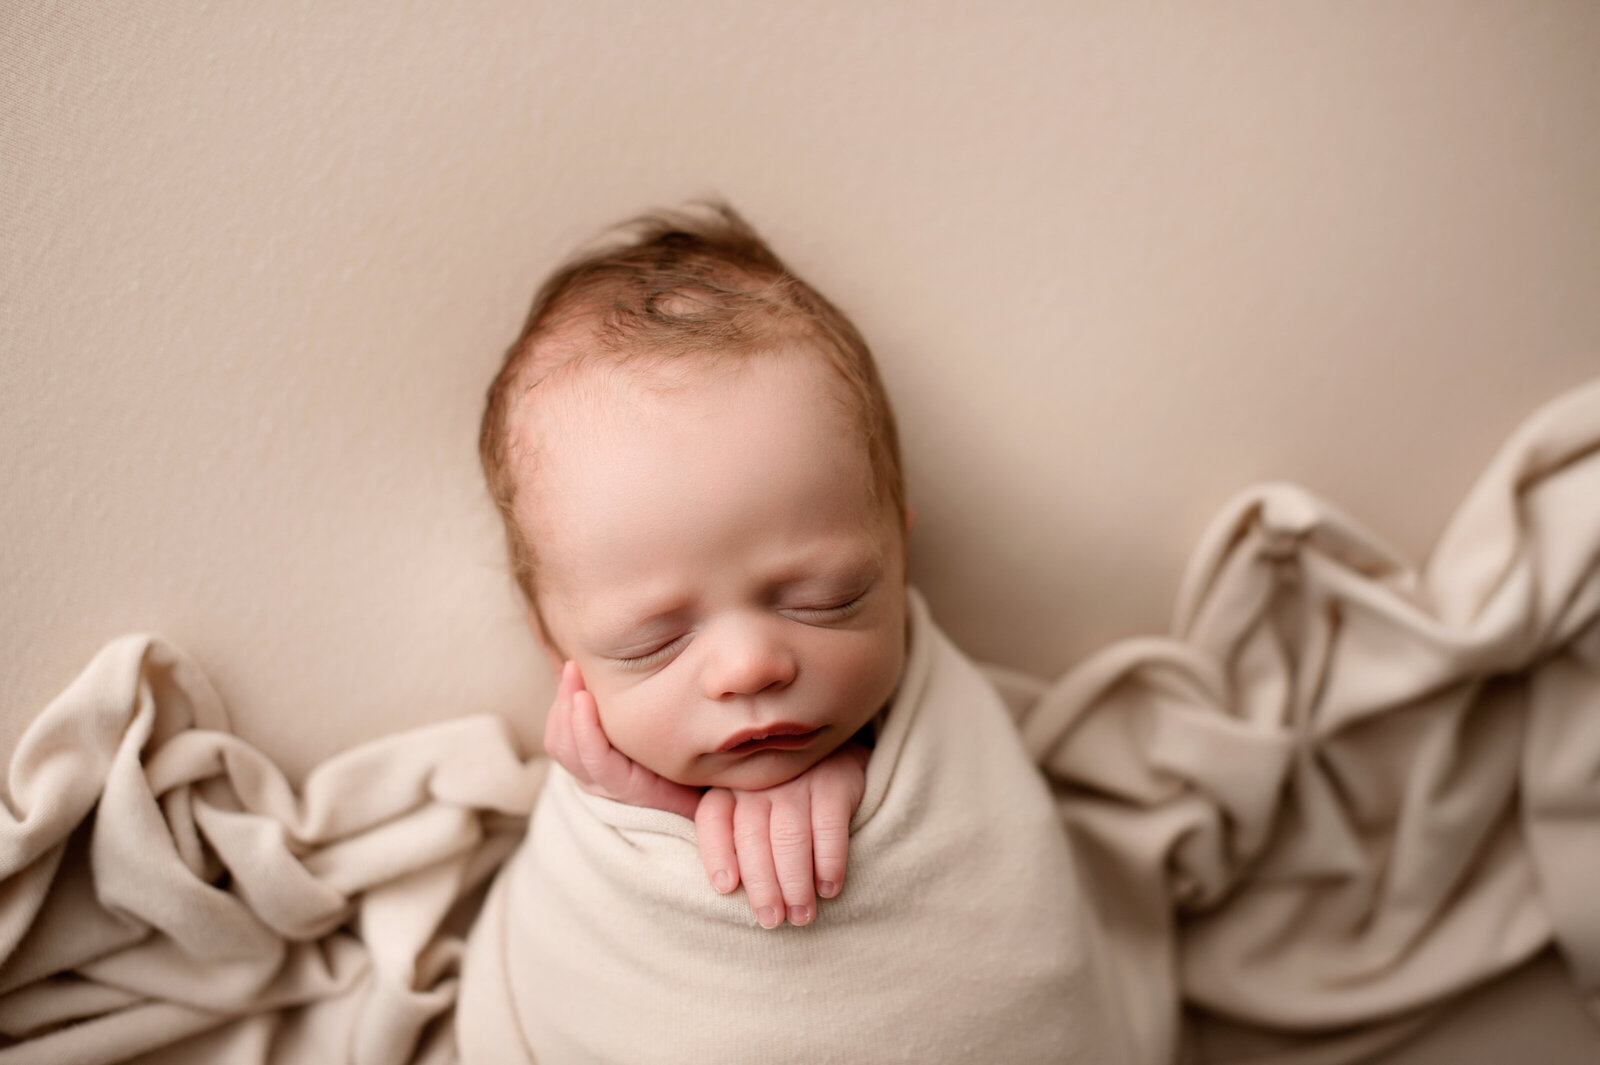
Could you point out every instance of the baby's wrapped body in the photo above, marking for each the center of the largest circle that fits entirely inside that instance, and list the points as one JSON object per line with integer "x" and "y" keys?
{"x": 960, "y": 936}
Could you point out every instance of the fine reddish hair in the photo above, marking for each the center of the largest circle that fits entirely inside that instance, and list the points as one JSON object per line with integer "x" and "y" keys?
{"x": 671, "y": 285}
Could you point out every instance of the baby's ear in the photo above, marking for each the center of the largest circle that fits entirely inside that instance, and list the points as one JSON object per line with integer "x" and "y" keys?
{"x": 911, "y": 517}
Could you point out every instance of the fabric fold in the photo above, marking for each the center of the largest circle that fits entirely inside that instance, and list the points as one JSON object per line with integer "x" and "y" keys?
{"x": 166, "y": 887}
{"x": 1363, "y": 786}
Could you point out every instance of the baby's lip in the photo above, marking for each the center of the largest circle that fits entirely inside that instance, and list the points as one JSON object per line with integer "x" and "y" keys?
{"x": 780, "y": 735}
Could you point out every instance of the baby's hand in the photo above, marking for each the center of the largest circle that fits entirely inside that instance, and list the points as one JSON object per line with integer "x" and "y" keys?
{"x": 788, "y": 843}
{"x": 574, "y": 738}
{"x": 771, "y": 836}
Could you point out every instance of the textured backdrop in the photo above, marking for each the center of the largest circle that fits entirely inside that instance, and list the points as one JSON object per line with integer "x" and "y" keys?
{"x": 258, "y": 261}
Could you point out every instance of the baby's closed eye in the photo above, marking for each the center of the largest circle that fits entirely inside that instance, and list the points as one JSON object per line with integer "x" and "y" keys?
{"x": 821, "y": 614}
{"x": 656, "y": 655}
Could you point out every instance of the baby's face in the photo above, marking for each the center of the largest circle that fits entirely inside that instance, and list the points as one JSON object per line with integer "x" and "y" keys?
{"x": 712, "y": 556}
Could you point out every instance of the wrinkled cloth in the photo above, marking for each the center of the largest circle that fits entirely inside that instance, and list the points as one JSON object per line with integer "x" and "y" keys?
{"x": 960, "y": 934}
{"x": 166, "y": 892}
{"x": 1345, "y": 789}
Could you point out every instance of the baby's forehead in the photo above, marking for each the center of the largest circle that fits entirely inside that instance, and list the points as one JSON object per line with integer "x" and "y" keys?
{"x": 607, "y": 442}
{"x": 585, "y": 402}
{"x": 586, "y": 387}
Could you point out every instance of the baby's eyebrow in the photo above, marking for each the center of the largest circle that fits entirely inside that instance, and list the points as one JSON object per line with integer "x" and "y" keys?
{"x": 637, "y": 624}
{"x": 842, "y": 568}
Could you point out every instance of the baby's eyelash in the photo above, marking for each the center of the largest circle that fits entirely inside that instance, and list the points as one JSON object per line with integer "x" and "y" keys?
{"x": 660, "y": 654}
{"x": 832, "y": 613}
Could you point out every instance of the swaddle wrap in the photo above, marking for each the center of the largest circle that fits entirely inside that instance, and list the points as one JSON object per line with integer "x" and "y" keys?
{"x": 959, "y": 935}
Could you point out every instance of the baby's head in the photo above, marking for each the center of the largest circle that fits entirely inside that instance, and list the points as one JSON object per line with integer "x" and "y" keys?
{"x": 697, "y": 467}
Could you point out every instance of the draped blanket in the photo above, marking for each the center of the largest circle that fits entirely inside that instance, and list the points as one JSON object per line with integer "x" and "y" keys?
{"x": 959, "y": 936}
{"x": 167, "y": 893}
{"x": 1345, "y": 789}
{"x": 1341, "y": 791}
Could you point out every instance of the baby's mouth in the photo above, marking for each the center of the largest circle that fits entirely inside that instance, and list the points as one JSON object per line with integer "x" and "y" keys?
{"x": 782, "y": 736}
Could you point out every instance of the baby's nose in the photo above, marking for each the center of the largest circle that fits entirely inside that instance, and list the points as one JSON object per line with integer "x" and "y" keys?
{"x": 748, "y": 655}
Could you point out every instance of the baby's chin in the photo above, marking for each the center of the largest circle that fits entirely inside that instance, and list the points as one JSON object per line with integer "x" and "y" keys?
{"x": 760, "y": 769}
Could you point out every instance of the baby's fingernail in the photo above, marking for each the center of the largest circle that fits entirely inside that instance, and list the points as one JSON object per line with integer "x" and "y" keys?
{"x": 723, "y": 881}
{"x": 799, "y": 915}
{"x": 827, "y": 889}
{"x": 768, "y": 916}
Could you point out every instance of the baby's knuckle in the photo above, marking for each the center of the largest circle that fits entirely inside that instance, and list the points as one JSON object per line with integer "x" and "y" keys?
{"x": 832, "y": 815}
{"x": 749, "y": 835}
{"x": 787, "y": 839}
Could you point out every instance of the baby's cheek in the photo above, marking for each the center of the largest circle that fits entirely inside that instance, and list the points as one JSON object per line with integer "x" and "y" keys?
{"x": 871, "y": 672}
{"x": 643, "y": 729}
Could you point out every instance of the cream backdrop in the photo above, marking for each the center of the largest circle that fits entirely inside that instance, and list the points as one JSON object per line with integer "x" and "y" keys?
{"x": 1118, "y": 261}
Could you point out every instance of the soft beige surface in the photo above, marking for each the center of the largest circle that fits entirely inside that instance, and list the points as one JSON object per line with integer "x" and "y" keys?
{"x": 1119, "y": 260}
{"x": 960, "y": 936}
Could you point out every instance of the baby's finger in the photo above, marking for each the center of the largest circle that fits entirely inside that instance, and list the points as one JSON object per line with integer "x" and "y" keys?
{"x": 791, "y": 854}
{"x": 752, "y": 842}
{"x": 558, "y": 743}
{"x": 830, "y": 840}
{"x": 713, "y": 828}
{"x": 607, "y": 767}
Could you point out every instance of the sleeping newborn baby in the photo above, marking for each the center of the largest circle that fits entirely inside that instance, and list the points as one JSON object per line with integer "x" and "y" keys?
{"x": 698, "y": 471}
